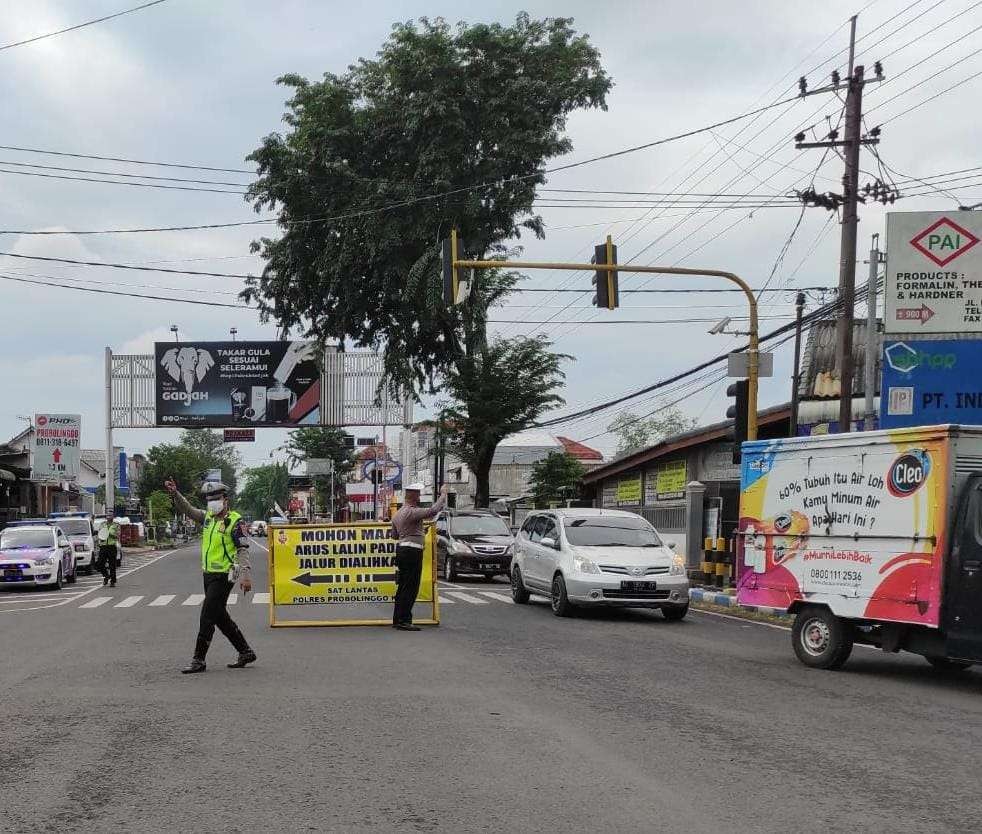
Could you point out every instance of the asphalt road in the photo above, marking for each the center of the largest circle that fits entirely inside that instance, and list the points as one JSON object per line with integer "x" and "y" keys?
{"x": 503, "y": 719}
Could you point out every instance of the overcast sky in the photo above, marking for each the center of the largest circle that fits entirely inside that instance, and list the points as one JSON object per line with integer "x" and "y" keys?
{"x": 192, "y": 81}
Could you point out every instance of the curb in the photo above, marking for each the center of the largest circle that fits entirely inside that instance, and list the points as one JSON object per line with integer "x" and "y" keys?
{"x": 729, "y": 601}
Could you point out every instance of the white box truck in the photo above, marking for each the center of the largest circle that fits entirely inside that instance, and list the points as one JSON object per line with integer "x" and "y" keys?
{"x": 871, "y": 537}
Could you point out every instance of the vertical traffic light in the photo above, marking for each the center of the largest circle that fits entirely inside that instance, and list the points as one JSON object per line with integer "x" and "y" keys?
{"x": 455, "y": 286}
{"x": 608, "y": 296}
{"x": 738, "y": 413}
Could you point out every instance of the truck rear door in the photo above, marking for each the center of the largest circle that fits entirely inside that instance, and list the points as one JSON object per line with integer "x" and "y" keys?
{"x": 963, "y": 594}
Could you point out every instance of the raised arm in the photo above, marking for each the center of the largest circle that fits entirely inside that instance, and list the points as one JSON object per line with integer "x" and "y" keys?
{"x": 182, "y": 502}
{"x": 423, "y": 513}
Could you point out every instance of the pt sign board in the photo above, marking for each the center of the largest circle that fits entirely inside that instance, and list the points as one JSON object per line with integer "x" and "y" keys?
{"x": 57, "y": 451}
{"x": 934, "y": 272}
{"x": 927, "y": 383}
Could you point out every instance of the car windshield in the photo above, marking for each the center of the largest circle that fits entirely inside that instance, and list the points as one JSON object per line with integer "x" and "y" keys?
{"x": 486, "y": 525}
{"x": 611, "y": 531}
{"x": 75, "y": 526}
{"x": 14, "y": 538}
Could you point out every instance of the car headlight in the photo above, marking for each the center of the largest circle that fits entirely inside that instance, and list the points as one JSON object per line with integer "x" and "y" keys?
{"x": 678, "y": 566}
{"x": 44, "y": 560}
{"x": 461, "y": 548}
{"x": 584, "y": 565}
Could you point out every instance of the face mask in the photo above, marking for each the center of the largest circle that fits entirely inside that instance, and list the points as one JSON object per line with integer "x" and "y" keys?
{"x": 216, "y": 505}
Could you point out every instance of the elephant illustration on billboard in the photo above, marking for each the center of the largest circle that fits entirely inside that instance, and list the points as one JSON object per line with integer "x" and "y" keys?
{"x": 187, "y": 365}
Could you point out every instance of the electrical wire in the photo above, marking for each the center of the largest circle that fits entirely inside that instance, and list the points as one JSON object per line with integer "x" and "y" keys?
{"x": 124, "y": 266}
{"x": 82, "y": 25}
{"x": 120, "y": 174}
{"x": 931, "y": 98}
{"x": 117, "y": 182}
{"x": 127, "y": 160}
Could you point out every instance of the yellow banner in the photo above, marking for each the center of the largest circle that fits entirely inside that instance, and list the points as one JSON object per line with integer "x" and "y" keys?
{"x": 629, "y": 491}
{"x": 324, "y": 564}
{"x": 670, "y": 480}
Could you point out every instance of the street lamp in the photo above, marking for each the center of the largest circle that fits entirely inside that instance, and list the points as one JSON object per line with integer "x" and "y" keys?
{"x": 173, "y": 329}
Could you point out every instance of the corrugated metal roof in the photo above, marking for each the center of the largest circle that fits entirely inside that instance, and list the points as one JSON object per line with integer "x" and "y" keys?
{"x": 819, "y": 376}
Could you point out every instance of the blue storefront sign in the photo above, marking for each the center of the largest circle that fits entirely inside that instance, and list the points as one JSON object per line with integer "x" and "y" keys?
{"x": 931, "y": 382}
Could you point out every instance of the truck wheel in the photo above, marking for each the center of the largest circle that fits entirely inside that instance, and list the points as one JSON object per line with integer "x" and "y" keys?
{"x": 945, "y": 664}
{"x": 820, "y": 639}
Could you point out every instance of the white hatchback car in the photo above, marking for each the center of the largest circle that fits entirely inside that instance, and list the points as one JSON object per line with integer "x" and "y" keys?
{"x": 597, "y": 557}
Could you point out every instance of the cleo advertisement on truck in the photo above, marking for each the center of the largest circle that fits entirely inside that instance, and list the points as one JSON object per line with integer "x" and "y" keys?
{"x": 859, "y": 528}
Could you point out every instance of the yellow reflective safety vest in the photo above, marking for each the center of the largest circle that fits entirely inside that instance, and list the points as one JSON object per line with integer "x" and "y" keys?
{"x": 217, "y": 546}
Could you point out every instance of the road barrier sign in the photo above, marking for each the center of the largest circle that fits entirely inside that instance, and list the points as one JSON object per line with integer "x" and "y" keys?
{"x": 341, "y": 565}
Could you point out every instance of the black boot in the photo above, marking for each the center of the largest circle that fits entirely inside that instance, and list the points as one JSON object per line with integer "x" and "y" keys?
{"x": 248, "y": 656}
{"x": 194, "y": 667}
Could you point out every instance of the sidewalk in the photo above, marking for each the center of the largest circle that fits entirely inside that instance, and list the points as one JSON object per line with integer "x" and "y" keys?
{"x": 727, "y": 599}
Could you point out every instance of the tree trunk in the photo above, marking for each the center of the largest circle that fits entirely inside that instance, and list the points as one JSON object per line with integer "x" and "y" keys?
{"x": 482, "y": 474}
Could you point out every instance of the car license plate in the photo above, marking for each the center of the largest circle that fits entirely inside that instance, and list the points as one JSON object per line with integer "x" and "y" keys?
{"x": 12, "y": 575}
{"x": 488, "y": 566}
{"x": 633, "y": 585}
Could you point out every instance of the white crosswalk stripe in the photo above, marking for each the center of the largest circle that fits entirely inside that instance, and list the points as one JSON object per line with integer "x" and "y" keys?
{"x": 95, "y": 603}
{"x": 446, "y": 600}
{"x": 467, "y": 598}
{"x": 163, "y": 599}
{"x": 500, "y": 597}
{"x": 260, "y": 599}
{"x": 194, "y": 599}
{"x": 129, "y": 602}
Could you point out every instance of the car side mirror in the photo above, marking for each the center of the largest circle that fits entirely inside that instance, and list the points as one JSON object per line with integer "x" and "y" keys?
{"x": 671, "y": 545}
{"x": 549, "y": 541}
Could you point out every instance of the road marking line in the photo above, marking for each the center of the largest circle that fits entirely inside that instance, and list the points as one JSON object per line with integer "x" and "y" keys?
{"x": 129, "y": 602}
{"x": 501, "y": 597}
{"x": 446, "y": 601}
{"x": 260, "y": 599}
{"x": 194, "y": 599}
{"x": 95, "y": 603}
{"x": 163, "y": 599}
{"x": 233, "y": 598}
{"x": 467, "y": 598}
{"x": 78, "y": 596}
{"x": 766, "y": 625}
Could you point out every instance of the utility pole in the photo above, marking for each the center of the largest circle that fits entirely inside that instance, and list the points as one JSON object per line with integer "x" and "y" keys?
{"x": 872, "y": 335}
{"x": 849, "y": 203}
{"x": 799, "y": 307}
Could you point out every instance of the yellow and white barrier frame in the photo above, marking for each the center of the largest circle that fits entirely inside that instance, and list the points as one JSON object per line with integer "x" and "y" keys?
{"x": 342, "y": 564}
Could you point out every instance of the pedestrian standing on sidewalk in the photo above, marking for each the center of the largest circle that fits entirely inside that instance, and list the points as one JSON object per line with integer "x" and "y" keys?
{"x": 224, "y": 559}
{"x": 408, "y": 526}
{"x": 108, "y": 543}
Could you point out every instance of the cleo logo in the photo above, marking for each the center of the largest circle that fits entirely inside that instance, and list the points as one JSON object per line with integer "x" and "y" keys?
{"x": 908, "y": 472}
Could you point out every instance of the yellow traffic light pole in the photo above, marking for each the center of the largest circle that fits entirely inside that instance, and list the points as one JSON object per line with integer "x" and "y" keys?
{"x": 753, "y": 358}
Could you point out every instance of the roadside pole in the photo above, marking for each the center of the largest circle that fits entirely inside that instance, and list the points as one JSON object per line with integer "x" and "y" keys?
{"x": 110, "y": 463}
{"x": 872, "y": 336}
{"x": 799, "y": 306}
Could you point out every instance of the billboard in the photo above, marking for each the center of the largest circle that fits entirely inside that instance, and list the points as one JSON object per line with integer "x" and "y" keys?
{"x": 57, "y": 449}
{"x": 236, "y": 384}
{"x": 934, "y": 272}
{"x": 930, "y": 382}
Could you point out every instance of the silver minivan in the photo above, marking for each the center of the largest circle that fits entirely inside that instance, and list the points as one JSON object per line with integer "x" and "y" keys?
{"x": 588, "y": 557}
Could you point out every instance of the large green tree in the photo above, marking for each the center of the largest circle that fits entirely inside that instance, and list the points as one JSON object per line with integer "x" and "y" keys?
{"x": 321, "y": 442}
{"x": 555, "y": 478}
{"x": 498, "y": 391}
{"x": 635, "y": 433}
{"x": 448, "y": 127}
{"x": 264, "y": 487}
{"x": 196, "y": 451}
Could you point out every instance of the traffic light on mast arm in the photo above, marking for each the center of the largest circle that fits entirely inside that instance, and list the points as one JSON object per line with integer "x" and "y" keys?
{"x": 455, "y": 286}
{"x": 738, "y": 413}
{"x": 608, "y": 296}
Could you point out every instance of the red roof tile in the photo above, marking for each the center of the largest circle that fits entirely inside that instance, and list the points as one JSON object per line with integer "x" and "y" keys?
{"x": 579, "y": 450}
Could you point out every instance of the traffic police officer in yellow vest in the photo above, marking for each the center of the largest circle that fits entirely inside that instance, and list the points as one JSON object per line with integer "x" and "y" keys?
{"x": 224, "y": 559}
